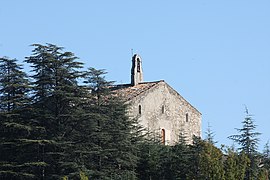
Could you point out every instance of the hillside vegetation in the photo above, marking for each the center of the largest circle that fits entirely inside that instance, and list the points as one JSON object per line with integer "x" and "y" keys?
{"x": 60, "y": 121}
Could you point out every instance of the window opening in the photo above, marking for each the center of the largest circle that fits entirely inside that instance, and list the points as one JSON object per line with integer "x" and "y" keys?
{"x": 140, "y": 109}
{"x": 186, "y": 117}
{"x": 163, "y": 109}
{"x": 163, "y": 136}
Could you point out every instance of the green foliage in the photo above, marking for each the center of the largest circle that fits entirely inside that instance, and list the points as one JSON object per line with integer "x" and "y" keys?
{"x": 13, "y": 85}
{"x": 210, "y": 135}
{"x": 149, "y": 164}
{"x": 211, "y": 162}
{"x": 83, "y": 176}
{"x": 111, "y": 133}
{"x": 55, "y": 95}
{"x": 15, "y": 125}
{"x": 263, "y": 174}
{"x": 266, "y": 159}
{"x": 235, "y": 165}
{"x": 207, "y": 161}
{"x": 56, "y": 128}
{"x": 64, "y": 178}
{"x": 181, "y": 157}
{"x": 248, "y": 141}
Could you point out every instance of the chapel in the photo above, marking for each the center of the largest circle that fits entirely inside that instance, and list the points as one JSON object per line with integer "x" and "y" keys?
{"x": 159, "y": 108}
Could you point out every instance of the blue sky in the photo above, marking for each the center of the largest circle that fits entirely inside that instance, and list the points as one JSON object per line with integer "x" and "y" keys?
{"x": 215, "y": 53}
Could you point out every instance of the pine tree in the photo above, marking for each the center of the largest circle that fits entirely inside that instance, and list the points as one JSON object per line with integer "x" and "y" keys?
{"x": 235, "y": 165}
{"x": 207, "y": 161}
{"x": 14, "y": 85}
{"x": 113, "y": 135}
{"x": 181, "y": 157}
{"x": 150, "y": 160}
{"x": 230, "y": 165}
{"x": 17, "y": 130}
{"x": 195, "y": 150}
{"x": 248, "y": 141}
{"x": 266, "y": 150}
{"x": 210, "y": 135}
{"x": 55, "y": 95}
{"x": 266, "y": 159}
{"x": 210, "y": 162}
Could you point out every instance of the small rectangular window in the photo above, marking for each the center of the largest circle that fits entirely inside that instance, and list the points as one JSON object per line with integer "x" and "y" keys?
{"x": 163, "y": 109}
{"x": 140, "y": 109}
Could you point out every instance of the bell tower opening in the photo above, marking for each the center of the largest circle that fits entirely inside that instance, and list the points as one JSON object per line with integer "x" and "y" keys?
{"x": 138, "y": 65}
{"x": 136, "y": 70}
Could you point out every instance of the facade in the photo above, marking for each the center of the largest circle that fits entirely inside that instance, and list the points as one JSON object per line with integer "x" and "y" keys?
{"x": 159, "y": 108}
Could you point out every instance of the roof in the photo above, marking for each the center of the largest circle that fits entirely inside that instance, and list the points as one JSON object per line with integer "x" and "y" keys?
{"x": 128, "y": 92}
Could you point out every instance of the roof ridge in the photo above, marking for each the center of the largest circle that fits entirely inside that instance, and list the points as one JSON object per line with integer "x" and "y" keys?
{"x": 128, "y": 84}
{"x": 152, "y": 82}
{"x": 178, "y": 94}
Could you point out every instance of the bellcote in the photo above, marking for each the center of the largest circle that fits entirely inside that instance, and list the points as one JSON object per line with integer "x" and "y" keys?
{"x": 136, "y": 70}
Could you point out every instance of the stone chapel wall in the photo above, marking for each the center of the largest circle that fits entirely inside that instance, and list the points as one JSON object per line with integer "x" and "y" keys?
{"x": 162, "y": 109}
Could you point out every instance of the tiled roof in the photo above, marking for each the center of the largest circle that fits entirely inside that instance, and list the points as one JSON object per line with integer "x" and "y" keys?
{"x": 128, "y": 92}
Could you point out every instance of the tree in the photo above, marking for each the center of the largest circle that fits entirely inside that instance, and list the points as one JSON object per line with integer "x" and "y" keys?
{"x": 181, "y": 157}
{"x": 14, "y": 85}
{"x": 210, "y": 162}
{"x": 158, "y": 161}
{"x": 235, "y": 164}
{"x": 55, "y": 95}
{"x": 248, "y": 141}
{"x": 266, "y": 159}
{"x": 63, "y": 130}
{"x": 207, "y": 161}
{"x": 113, "y": 135}
{"x": 17, "y": 131}
{"x": 150, "y": 160}
{"x": 210, "y": 135}
{"x": 266, "y": 150}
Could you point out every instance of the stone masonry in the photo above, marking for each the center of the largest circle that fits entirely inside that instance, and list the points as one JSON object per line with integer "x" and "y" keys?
{"x": 159, "y": 107}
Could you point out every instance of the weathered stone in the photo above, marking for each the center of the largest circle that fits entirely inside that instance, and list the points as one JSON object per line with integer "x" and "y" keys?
{"x": 136, "y": 70}
{"x": 159, "y": 107}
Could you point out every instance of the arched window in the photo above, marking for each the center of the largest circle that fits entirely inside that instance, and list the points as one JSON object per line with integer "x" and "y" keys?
{"x": 186, "y": 117}
{"x": 163, "y": 136}
{"x": 140, "y": 109}
{"x": 163, "y": 109}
